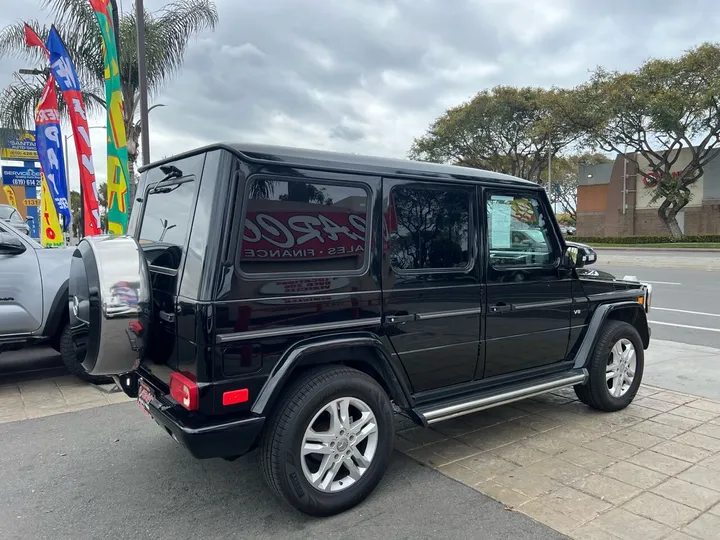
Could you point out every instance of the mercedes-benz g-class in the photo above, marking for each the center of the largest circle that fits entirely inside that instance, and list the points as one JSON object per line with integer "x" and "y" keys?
{"x": 285, "y": 299}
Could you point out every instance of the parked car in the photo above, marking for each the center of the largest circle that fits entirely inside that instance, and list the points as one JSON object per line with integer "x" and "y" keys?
{"x": 34, "y": 298}
{"x": 283, "y": 299}
{"x": 13, "y": 218}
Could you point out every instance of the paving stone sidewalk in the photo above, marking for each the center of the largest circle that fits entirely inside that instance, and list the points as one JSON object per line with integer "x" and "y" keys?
{"x": 651, "y": 471}
{"x": 56, "y": 395}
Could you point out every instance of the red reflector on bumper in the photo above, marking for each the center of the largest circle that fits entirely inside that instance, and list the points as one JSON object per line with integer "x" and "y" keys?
{"x": 233, "y": 397}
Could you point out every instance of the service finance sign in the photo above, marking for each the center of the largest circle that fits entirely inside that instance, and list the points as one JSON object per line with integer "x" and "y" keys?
{"x": 18, "y": 145}
{"x": 21, "y": 176}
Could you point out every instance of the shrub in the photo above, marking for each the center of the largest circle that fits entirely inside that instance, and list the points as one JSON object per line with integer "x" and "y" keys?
{"x": 689, "y": 239}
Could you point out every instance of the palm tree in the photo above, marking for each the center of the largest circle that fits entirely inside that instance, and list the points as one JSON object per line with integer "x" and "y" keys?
{"x": 167, "y": 33}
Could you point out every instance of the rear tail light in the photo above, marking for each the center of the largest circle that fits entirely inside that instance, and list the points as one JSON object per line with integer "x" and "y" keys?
{"x": 184, "y": 391}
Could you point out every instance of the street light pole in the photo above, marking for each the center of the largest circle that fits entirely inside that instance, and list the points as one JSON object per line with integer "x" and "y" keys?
{"x": 142, "y": 81}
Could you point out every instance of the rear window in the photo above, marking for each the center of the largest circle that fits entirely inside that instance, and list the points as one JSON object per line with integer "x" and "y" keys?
{"x": 295, "y": 227}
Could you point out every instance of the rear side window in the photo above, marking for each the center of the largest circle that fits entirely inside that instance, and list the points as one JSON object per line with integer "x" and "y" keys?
{"x": 293, "y": 227}
{"x": 167, "y": 217}
{"x": 429, "y": 228}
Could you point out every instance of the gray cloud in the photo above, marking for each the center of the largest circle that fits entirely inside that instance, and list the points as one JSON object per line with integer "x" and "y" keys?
{"x": 370, "y": 75}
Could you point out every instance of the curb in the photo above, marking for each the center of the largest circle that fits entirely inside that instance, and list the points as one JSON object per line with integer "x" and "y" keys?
{"x": 655, "y": 249}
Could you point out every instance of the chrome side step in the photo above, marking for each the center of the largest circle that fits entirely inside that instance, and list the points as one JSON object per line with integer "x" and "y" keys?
{"x": 496, "y": 397}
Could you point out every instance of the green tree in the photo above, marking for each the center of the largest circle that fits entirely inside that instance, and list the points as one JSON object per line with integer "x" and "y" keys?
{"x": 75, "y": 211}
{"x": 167, "y": 33}
{"x": 506, "y": 129}
{"x": 661, "y": 108}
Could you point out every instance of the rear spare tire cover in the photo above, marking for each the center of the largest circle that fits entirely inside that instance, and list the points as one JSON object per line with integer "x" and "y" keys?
{"x": 109, "y": 303}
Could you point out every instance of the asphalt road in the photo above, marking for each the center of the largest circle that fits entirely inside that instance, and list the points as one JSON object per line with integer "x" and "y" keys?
{"x": 112, "y": 473}
{"x": 686, "y": 302}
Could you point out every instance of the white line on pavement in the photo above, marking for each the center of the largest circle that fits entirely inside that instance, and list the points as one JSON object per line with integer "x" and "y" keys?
{"x": 686, "y": 326}
{"x": 685, "y": 311}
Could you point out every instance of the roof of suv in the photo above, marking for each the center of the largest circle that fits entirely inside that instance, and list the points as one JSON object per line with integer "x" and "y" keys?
{"x": 322, "y": 159}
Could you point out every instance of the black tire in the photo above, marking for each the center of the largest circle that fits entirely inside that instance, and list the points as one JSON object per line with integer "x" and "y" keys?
{"x": 596, "y": 392}
{"x": 73, "y": 363}
{"x": 283, "y": 438}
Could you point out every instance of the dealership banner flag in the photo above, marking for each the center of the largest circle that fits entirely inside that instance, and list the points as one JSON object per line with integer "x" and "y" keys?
{"x": 48, "y": 138}
{"x": 50, "y": 231}
{"x": 10, "y": 194}
{"x": 64, "y": 72}
{"x": 117, "y": 155}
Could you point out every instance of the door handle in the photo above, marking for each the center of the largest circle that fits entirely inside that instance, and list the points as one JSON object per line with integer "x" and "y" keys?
{"x": 501, "y": 307}
{"x": 399, "y": 319}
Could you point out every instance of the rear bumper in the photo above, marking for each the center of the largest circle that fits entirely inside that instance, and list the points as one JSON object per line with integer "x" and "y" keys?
{"x": 203, "y": 437}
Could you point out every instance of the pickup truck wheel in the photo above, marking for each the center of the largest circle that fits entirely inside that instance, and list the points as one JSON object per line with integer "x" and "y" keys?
{"x": 615, "y": 369}
{"x": 329, "y": 441}
{"x": 73, "y": 363}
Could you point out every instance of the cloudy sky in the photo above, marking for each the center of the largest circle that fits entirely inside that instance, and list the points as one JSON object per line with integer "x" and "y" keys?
{"x": 368, "y": 76}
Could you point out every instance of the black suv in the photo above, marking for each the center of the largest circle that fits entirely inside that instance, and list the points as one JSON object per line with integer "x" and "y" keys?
{"x": 285, "y": 299}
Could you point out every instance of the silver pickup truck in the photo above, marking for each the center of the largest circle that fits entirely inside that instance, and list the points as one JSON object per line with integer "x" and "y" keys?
{"x": 34, "y": 298}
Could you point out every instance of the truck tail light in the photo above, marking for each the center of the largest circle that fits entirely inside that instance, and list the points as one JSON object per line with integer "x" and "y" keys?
{"x": 184, "y": 391}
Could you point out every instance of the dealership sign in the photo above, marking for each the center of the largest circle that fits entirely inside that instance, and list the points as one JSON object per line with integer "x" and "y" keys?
{"x": 21, "y": 176}
{"x": 18, "y": 145}
{"x": 302, "y": 236}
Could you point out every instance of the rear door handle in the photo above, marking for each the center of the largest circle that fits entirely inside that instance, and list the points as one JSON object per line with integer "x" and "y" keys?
{"x": 399, "y": 319}
{"x": 501, "y": 307}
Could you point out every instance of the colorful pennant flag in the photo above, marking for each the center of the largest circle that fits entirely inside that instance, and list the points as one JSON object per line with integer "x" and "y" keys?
{"x": 10, "y": 194}
{"x": 50, "y": 232}
{"x": 64, "y": 72}
{"x": 48, "y": 139}
{"x": 117, "y": 155}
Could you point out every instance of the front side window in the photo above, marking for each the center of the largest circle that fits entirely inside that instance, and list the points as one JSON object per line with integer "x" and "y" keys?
{"x": 293, "y": 226}
{"x": 166, "y": 219}
{"x": 429, "y": 228}
{"x": 6, "y": 211}
{"x": 518, "y": 232}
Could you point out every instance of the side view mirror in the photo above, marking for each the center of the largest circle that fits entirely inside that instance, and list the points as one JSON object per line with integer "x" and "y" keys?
{"x": 10, "y": 244}
{"x": 579, "y": 255}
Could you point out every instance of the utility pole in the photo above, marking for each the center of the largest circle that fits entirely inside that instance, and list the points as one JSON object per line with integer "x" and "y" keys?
{"x": 142, "y": 81}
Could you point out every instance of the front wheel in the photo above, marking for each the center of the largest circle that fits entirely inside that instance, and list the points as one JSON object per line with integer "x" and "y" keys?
{"x": 329, "y": 441}
{"x": 615, "y": 368}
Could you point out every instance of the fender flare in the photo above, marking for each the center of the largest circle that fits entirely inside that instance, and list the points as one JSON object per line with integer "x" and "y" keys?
{"x": 601, "y": 314}
{"x": 58, "y": 309}
{"x": 381, "y": 362}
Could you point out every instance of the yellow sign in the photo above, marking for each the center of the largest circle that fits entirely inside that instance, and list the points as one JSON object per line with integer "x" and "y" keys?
{"x": 50, "y": 231}
{"x": 31, "y": 202}
{"x": 24, "y": 155}
{"x": 10, "y": 194}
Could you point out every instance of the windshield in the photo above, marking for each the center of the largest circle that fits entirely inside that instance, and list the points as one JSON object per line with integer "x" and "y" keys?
{"x": 6, "y": 211}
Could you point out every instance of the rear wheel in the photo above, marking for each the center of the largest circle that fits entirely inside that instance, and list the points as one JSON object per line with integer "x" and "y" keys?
{"x": 615, "y": 369}
{"x": 73, "y": 363}
{"x": 329, "y": 441}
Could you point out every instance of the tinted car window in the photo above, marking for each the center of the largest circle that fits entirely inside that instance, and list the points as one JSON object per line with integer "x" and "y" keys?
{"x": 293, "y": 226}
{"x": 518, "y": 232}
{"x": 429, "y": 228}
{"x": 166, "y": 219}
